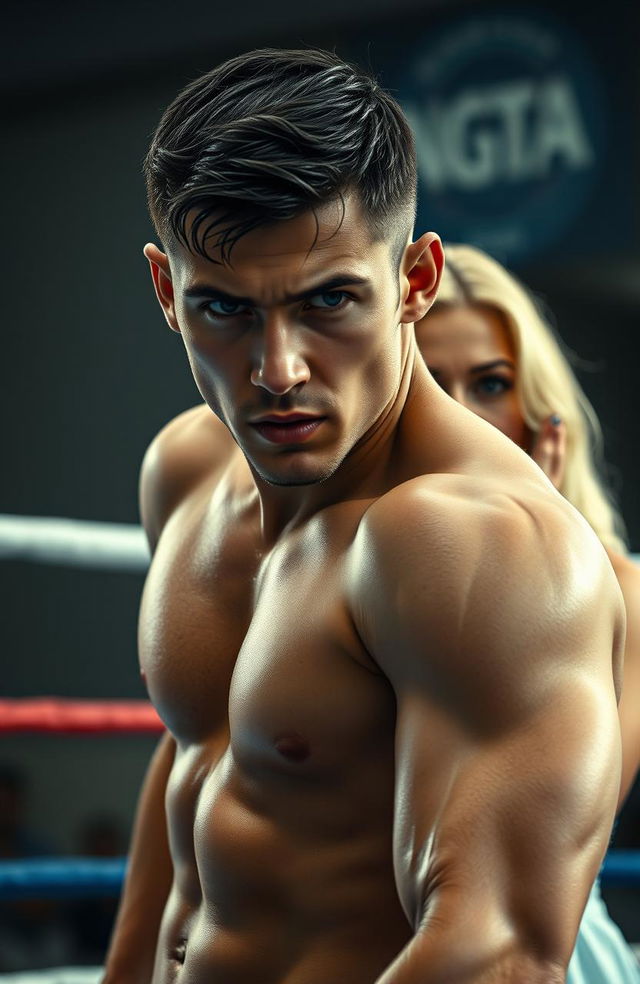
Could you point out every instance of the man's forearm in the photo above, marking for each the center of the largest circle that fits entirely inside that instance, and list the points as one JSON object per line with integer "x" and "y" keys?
{"x": 132, "y": 950}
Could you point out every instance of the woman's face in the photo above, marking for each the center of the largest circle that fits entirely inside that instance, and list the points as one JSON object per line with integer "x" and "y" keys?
{"x": 469, "y": 351}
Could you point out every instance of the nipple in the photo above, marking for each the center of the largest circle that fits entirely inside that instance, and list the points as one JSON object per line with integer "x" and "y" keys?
{"x": 292, "y": 746}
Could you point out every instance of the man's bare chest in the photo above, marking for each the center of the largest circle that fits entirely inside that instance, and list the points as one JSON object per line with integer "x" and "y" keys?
{"x": 263, "y": 646}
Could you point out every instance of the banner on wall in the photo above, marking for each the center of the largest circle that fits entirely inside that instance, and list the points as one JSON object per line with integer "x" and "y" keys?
{"x": 509, "y": 117}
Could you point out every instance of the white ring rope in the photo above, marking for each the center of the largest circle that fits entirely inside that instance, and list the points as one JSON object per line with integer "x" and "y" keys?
{"x": 74, "y": 543}
{"x": 80, "y": 543}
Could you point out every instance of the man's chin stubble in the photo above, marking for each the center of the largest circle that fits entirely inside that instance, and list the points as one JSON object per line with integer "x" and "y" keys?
{"x": 293, "y": 481}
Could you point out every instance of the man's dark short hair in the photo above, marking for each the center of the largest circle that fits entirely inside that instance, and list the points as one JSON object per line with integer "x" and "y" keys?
{"x": 270, "y": 135}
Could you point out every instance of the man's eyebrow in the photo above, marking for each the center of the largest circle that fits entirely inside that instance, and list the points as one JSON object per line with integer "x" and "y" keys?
{"x": 339, "y": 280}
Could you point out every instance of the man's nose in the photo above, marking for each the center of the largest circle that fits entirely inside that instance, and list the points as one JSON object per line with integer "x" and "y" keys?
{"x": 279, "y": 364}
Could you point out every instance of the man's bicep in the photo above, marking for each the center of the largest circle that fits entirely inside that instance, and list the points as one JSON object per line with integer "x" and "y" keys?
{"x": 628, "y": 575}
{"x": 499, "y": 840}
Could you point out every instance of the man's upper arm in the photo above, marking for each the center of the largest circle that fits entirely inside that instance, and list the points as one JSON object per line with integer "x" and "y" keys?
{"x": 628, "y": 574}
{"x": 495, "y": 627}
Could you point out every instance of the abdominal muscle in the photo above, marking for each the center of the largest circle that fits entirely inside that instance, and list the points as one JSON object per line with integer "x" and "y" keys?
{"x": 278, "y": 879}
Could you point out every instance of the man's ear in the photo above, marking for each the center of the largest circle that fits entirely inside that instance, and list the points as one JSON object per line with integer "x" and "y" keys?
{"x": 422, "y": 266}
{"x": 162, "y": 282}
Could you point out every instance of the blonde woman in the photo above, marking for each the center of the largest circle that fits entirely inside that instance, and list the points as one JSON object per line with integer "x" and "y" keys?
{"x": 488, "y": 345}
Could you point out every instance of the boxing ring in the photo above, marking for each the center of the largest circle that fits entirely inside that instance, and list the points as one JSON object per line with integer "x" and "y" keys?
{"x": 111, "y": 547}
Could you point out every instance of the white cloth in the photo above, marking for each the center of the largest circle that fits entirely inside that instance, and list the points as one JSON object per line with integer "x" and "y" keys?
{"x": 601, "y": 955}
{"x": 55, "y": 975}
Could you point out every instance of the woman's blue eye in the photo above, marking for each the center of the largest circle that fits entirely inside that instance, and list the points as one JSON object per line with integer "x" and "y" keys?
{"x": 493, "y": 385}
{"x": 327, "y": 299}
{"x": 220, "y": 306}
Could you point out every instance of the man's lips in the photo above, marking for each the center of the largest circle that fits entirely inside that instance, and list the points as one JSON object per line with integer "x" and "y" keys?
{"x": 287, "y": 428}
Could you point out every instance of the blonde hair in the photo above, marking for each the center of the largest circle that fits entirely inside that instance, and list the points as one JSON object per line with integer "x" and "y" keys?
{"x": 545, "y": 382}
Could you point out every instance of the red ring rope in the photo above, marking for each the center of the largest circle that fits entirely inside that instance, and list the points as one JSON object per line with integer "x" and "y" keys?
{"x": 52, "y": 714}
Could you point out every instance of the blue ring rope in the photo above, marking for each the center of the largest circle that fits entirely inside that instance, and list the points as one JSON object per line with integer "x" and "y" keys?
{"x": 64, "y": 878}
{"x": 61, "y": 878}
{"x": 621, "y": 868}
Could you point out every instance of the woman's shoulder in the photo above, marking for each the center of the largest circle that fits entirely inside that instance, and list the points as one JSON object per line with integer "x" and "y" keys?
{"x": 627, "y": 571}
{"x": 625, "y": 567}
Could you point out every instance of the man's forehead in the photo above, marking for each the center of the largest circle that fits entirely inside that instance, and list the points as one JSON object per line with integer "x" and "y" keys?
{"x": 302, "y": 249}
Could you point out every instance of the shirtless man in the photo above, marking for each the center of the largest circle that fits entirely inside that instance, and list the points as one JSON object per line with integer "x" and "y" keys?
{"x": 385, "y": 649}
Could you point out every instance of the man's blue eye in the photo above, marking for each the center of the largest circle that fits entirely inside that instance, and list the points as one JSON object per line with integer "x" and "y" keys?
{"x": 327, "y": 299}
{"x": 220, "y": 306}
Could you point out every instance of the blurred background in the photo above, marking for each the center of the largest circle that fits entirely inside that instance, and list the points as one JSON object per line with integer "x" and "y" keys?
{"x": 526, "y": 119}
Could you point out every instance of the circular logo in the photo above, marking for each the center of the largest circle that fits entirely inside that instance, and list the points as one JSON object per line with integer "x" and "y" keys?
{"x": 509, "y": 125}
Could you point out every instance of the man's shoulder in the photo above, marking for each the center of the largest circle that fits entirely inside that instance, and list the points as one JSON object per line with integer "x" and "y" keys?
{"x": 184, "y": 454}
{"x": 627, "y": 572}
{"x": 180, "y": 443}
{"x": 457, "y": 514}
{"x": 459, "y": 545}
{"x": 448, "y": 569}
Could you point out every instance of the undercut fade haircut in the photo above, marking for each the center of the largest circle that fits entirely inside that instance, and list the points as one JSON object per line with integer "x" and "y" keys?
{"x": 270, "y": 135}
